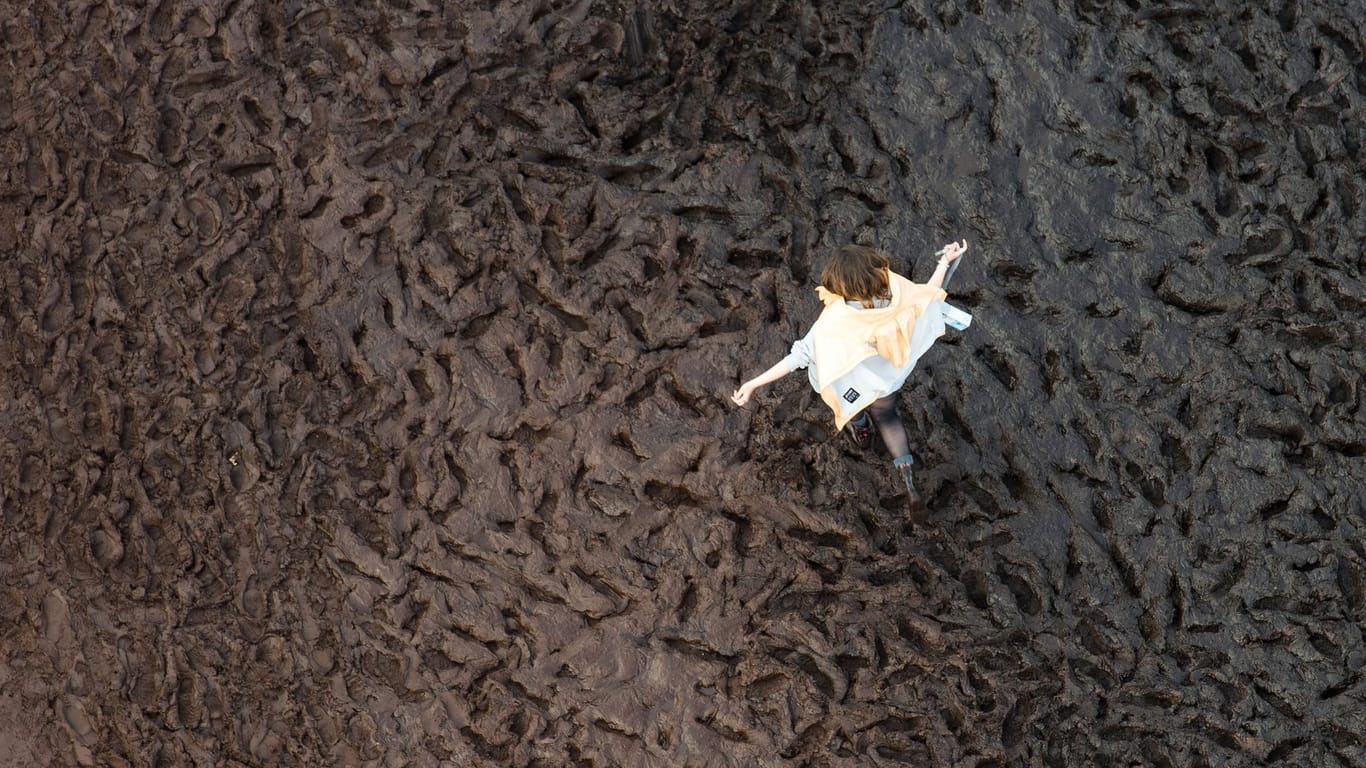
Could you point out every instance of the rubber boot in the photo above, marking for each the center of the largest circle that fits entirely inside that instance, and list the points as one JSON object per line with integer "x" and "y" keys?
{"x": 902, "y": 464}
{"x": 860, "y": 431}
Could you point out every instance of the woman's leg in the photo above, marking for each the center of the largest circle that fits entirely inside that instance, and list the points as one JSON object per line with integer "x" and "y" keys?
{"x": 884, "y": 413}
{"x": 893, "y": 433}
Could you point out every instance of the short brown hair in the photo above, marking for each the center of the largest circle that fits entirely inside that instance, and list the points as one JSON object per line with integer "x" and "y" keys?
{"x": 858, "y": 273}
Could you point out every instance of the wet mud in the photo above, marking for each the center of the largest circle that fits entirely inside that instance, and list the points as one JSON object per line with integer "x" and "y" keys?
{"x": 364, "y": 378}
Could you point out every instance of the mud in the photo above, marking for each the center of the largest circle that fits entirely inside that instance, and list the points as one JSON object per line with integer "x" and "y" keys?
{"x": 364, "y": 379}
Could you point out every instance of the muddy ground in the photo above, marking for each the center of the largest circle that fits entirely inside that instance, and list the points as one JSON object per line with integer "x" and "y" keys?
{"x": 364, "y": 372}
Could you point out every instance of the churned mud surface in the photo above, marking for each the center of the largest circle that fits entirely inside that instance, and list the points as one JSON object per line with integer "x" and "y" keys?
{"x": 364, "y": 378}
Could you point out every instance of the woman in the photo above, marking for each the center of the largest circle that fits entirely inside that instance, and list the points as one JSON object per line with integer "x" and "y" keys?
{"x": 875, "y": 326}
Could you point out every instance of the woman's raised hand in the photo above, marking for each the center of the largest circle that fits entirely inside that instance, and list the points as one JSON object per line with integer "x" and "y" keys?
{"x": 953, "y": 250}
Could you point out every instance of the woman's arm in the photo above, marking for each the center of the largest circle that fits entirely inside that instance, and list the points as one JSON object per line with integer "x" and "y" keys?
{"x": 946, "y": 257}
{"x": 742, "y": 395}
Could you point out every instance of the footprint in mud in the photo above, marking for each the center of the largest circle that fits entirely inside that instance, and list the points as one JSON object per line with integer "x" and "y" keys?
{"x": 56, "y": 618}
{"x": 102, "y": 113}
{"x": 374, "y": 206}
{"x": 77, "y": 718}
{"x": 189, "y": 704}
{"x": 106, "y": 546}
{"x": 200, "y": 217}
{"x": 171, "y": 136}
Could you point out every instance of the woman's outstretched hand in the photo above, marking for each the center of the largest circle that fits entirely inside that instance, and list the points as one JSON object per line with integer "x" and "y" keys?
{"x": 746, "y": 390}
{"x": 741, "y": 395}
{"x": 953, "y": 250}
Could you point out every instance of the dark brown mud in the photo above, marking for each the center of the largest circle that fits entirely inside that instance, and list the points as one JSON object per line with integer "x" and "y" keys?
{"x": 364, "y": 371}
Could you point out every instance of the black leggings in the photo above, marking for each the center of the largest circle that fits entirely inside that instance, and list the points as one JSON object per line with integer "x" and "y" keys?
{"x": 888, "y": 421}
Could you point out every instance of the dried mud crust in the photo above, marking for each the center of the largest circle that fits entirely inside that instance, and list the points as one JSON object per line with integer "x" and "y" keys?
{"x": 364, "y": 374}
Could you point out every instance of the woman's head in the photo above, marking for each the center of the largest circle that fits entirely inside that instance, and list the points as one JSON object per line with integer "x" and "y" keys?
{"x": 858, "y": 273}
